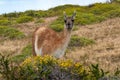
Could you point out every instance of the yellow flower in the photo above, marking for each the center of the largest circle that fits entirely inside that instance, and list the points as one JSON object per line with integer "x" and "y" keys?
{"x": 78, "y": 64}
{"x": 78, "y": 68}
{"x": 27, "y": 61}
{"x": 65, "y": 64}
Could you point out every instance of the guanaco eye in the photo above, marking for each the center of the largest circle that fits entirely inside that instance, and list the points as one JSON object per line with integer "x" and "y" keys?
{"x": 65, "y": 21}
{"x": 73, "y": 20}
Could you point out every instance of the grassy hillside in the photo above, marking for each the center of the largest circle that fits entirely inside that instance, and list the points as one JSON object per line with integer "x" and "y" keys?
{"x": 85, "y": 15}
{"x": 93, "y": 52}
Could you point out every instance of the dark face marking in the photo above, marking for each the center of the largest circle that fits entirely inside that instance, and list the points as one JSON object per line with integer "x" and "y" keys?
{"x": 69, "y": 21}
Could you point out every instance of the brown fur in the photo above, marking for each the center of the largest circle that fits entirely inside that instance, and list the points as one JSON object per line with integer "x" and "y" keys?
{"x": 49, "y": 40}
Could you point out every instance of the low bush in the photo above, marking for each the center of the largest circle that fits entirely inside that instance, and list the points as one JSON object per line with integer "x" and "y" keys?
{"x": 39, "y": 21}
{"x": 77, "y": 41}
{"x": 30, "y": 13}
{"x": 24, "y": 19}
{"x": 58, "y": 25}
{"x": 112, "y": 13}
{"x": 115, "y": 1}
{"x": 26, "y": 52}
{"x": 4, "y": 22}
{"x": 87, "y": 18}
{"x": 100, "y": 8}
{"x": 10, "y": 33}
{"x": 75, "y": 28}
{"x": 35, "y": 14}
{"x": 11, "y": 15}
{"x": 53, "y": 69}
{"x": 49, "y": 68}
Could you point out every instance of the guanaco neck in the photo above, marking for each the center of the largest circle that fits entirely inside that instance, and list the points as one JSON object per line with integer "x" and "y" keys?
{"x": 66, "y": 34}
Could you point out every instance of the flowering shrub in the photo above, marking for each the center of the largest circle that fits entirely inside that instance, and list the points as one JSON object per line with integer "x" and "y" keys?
{"x": 24, "y": 19}
{"x": 49, "y": 68}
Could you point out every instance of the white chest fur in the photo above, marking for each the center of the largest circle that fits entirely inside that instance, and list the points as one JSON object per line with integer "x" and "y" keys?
{"x": 61, "y": 51}
{"x": 38, "y": 51}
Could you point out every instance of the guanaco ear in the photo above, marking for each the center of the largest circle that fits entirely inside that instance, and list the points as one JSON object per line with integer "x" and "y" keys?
{"x": 65, "y": 16}
{"x": 74, "y": 14}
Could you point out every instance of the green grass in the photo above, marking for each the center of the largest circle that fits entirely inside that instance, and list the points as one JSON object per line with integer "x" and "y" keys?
{"x": 4, "y": 22}
{"x": 39, "y": 20}
{"x": 100, "y": 8}
{"x": 75, "y": 28}
{"x": 77, "y": 41}
{"x": 11, "y": 33}
{"x": 24, "y": 19}
{"x": 26, "y": 52}
{"x": 112, "y": 13}
{"x": 87, "y": 18}
{"x": 35, "y": 14}
{"x": 57, "y": 25}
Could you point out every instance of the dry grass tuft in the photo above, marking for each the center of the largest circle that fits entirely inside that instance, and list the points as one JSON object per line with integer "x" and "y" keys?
{"x": 12, "y": 47}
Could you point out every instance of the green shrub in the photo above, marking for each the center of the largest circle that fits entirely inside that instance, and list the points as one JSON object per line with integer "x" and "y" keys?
{"x": 115, "y": 1}
{"x": 4, "y": 67}
{"x": 58, "y": 25}
{"x": 49, "y": 68}
{"x": 24, "y": 19}
{"x": 40, "y": 68}
{"x": 26, "y": 52}
{"x": 10, "y": 15}
{"x": 75, "y": 28}
{"x": 4, "y": 22}
{"x": 97, "y": 73}
{"x": 11, "y": 33}
{"x": 41, "y": 14}
{"x": 35, "y": 14}
{"x": 87, "y": 18}
{"x": 39, "y": 21}
{"x": 112, "y": 13}
{"x": 99, "y": 8}
{"x": 59, "y": 10}
{"x": 30, "y": 13}
{"x": 77, "y": 41}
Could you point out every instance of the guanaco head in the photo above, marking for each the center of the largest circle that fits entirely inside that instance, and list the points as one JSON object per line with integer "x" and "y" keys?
{"x": 69, "y": 21}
